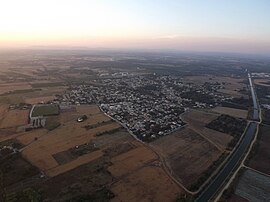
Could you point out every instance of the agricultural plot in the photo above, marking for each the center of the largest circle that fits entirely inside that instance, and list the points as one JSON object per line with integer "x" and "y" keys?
{"x": 7, "y": 87}
{"x": 7, "y": 133}
{"x": 187, "y": 154}
{"x": 45, "y": 146}
{"x": 44, "y": 85}
{"x": 197, "y": 120}
{"x": 45, "y": 110}
{"x": 16, "y": 169}
{"x": 147, "y": 184}
{"x": 75, "y": 163}
{"x": 230, "y": 125}
{"x": 14, "y": 118}
{"x": 37, "y": 100}
{"x": 254, "y": 186}
{"x": 61, "y": 139}
{"x": 131, "y": 160}
{"x": 262, "y": 82}
{"x": 230, "y": 86}
{"x": 261, "y": 158}
{"x": 88, "y": 109}
{"x": 239, "y": 113}
{"x": 26, "y": 138}
{"x": 86, "y": 181}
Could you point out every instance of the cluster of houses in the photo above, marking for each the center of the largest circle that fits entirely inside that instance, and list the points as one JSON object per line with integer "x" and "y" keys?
{"x": 150, "y": 106}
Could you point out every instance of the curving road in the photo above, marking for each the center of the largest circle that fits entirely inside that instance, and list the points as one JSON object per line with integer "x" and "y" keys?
{"x": 236, "y": 155}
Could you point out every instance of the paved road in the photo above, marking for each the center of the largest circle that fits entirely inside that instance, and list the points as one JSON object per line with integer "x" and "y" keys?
{"x": 236, "y": 156}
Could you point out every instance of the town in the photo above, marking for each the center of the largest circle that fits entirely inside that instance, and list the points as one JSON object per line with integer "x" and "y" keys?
{"x": 149, "y": 106}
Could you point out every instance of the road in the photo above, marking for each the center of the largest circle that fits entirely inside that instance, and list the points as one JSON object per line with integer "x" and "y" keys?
{"x": 237, "y": 154}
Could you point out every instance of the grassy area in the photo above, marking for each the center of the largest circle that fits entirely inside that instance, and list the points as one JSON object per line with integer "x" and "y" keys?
{"x": 45, "y": 110}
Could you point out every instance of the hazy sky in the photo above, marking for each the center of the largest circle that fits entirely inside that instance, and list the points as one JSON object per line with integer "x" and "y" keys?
{"x": 210, "y": 25}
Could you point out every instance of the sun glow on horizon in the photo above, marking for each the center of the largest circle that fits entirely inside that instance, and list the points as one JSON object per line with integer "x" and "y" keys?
{"x": 141, "y": 24}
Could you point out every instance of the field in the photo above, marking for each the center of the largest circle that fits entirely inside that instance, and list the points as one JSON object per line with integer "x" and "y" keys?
{"x": 45, "y": 110}
{"x": 261, "y": 158}
{"x": 44, "y": 85}
{"x": 75, "y": 163}
{"x": 239, "y": 113}
{"x": 231, "y": 86}
{"x": 187, "y": 154}
{"x": 68, "y": 135}
{"x": 118, "y": 161}
{"x": 6, "y": 88}
{"x": 197, "y": 120}
{"x": 87, "y": 180}
{"x": 37, "y": 100}
{"x": 22, "y": 96}
{"x": 262, "y": 82}
{"x": 7, "y": 133}
{"x": 14, "y": 118}
{"x": 15, "y": 169}
{"x": 147, "y": 184}
{"x": 253, "y": 186}
{"x": 131, "y": 160}
{"x": 61, "y": 139}
{"x": 26, "y": 138}
{"x": 86, "y": 109}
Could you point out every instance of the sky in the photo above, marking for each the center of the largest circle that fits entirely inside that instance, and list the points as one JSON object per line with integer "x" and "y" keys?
{"x": 192, "y": 25}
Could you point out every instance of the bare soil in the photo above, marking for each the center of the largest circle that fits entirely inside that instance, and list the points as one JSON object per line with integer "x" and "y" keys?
{"x": 261, "y": 159}
{"x": 187, "y": 154}
{"x": 253, "y": 186}
{"x": 239, "y": 113}
{"x": 147, "y": 184}
{"x": 197, "y": 120}
{"x": 14, "y": 118}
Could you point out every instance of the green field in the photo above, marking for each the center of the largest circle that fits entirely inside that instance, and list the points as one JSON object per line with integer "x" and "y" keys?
{"x": 45, "y": 110}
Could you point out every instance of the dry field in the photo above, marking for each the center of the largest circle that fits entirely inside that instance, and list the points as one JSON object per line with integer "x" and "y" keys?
{"x": 7, "y": 134}
{"x": 261, "y": 159}
{"x": 131, "y": 160}
{"x": 197, "y": 120}
{"x": 197, "y": 117}
{"x": 15, "y": 118}
{"x": 88, "y": 109}
{"x": 110, "y": 140}
{"x": 75, "y": 163}
{"x": 262, "y": 82}
{"x": 239, "y": 113}
{"x": 147, "y": 184}
{"x": 70, "y": 134}
{"x": 231, "y": 85}
{"x": 3, "y": 110}
{"x": 7, "y": 87}
{"x": 134, "y": 167}
{"x": 37, "y": 100}
{"x": 17, "y": 98}
{"x": 26, "y": 138}
{"x": 187, "y": 154}
{"x": 235, "y": 198}
{"x": 61, "y": 139}
{"x": 253, "y": 186}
